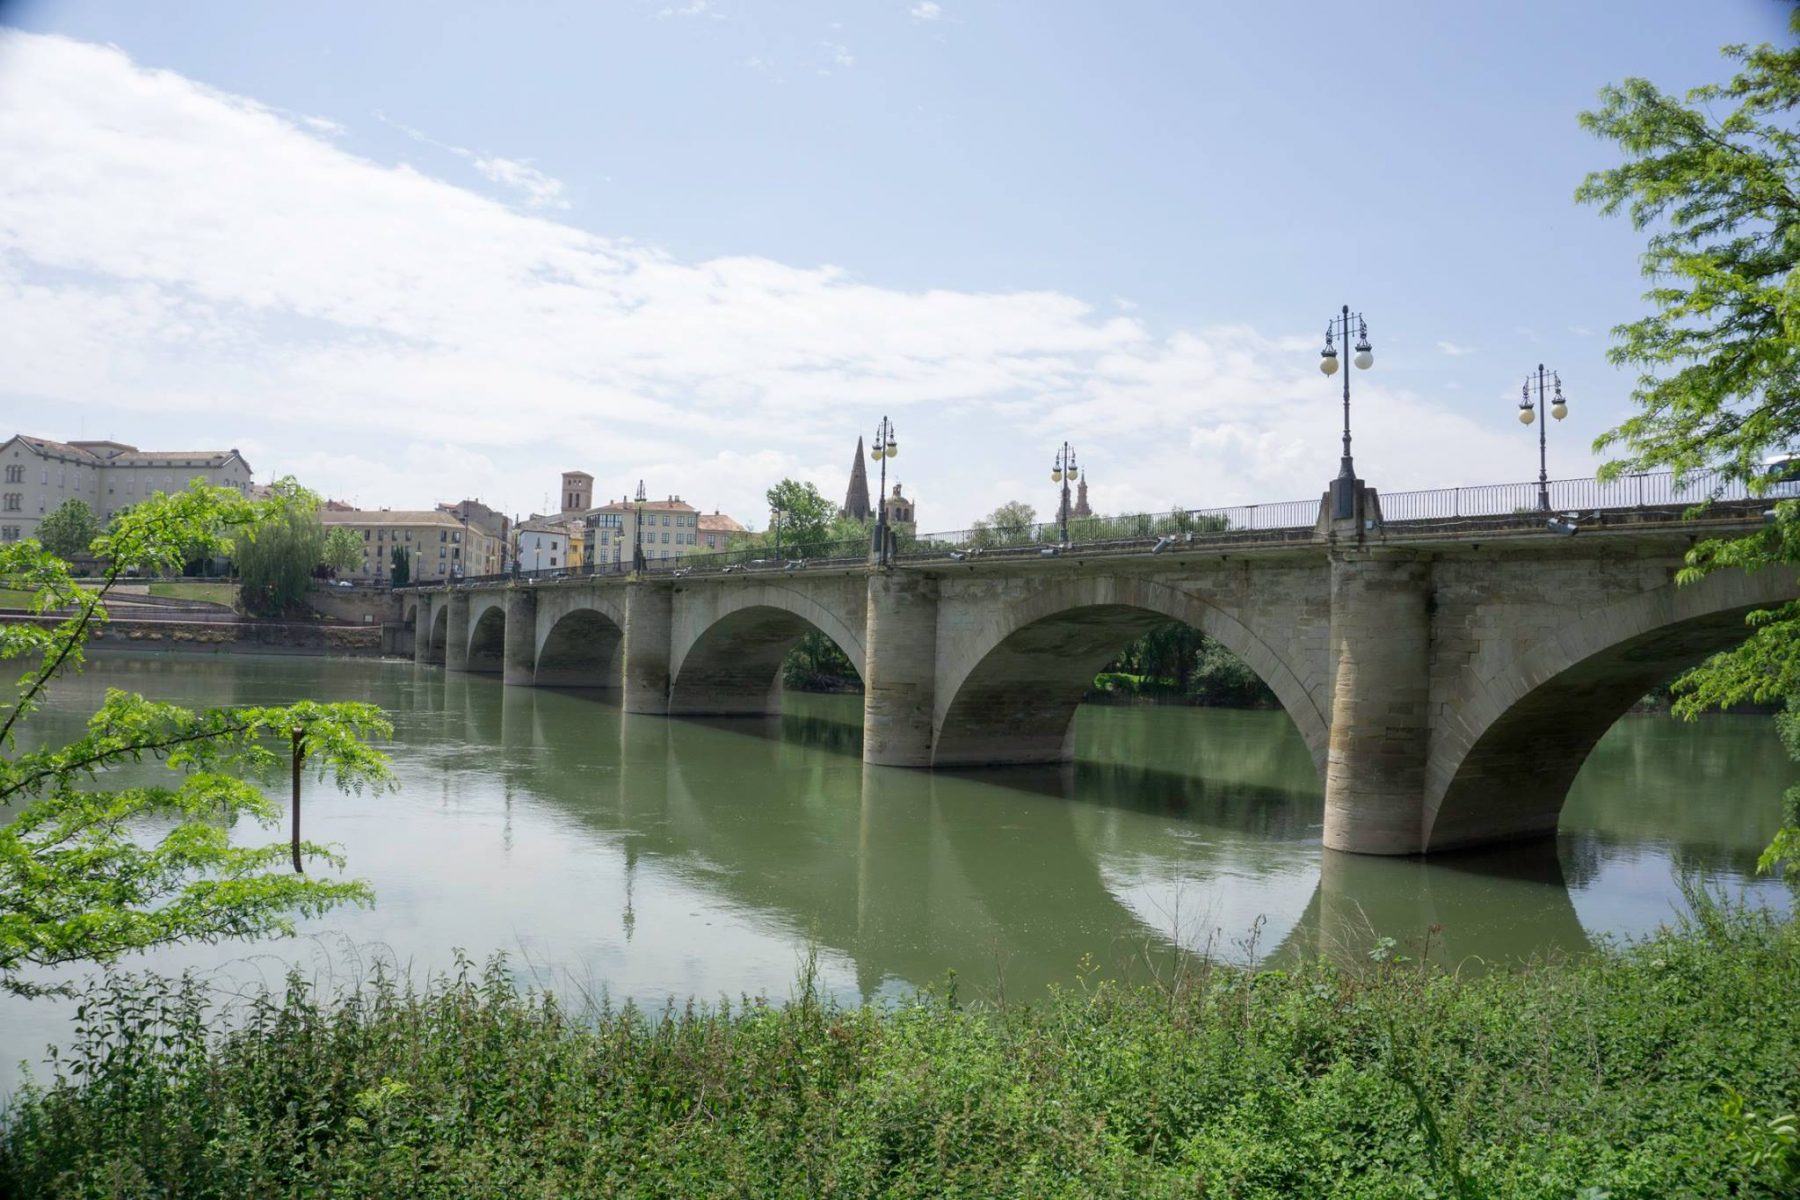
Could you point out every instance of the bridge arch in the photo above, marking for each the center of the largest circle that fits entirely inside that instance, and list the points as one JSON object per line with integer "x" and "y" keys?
{"x": 1507, "y": 748}
{"x": 578, "y": 648}
{"x": 1010, "y": 695}
{"x": 409, "y": 619}
{"x": 487, "y": 633}
{"x": 732, "y": 663}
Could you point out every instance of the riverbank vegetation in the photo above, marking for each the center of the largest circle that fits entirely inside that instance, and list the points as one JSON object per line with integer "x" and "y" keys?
{"x": 1663, "y": 1070}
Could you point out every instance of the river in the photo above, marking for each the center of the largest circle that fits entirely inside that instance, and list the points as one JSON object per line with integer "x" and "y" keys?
{"x": 644, "y": 858}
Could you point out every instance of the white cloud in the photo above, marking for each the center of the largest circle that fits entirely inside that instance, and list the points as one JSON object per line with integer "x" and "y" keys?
{"x": 840, "y": 53}
{"x": 541, "y": 190}
{"x": 926, "y": 10}
{"x": 693, "y": 8}
{"x": 1581, "y": 331}
{"x": 1454, "y": 350}
{"x": 179, "y": 263}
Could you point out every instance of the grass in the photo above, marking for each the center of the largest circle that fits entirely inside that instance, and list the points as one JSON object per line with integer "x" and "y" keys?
{"x": 1668, "y": 1069}
{"x": 197, "y": 589}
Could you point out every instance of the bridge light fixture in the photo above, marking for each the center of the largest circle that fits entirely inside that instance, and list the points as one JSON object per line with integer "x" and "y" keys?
{"x": 886, "y": 447}
{"x": 1556, "y": 407}
{"x": 1342, "y": 326}
{"x": 1565, "y": 526}
{"x": 1162, "y": 543}
{"x": 1064, "y": 470}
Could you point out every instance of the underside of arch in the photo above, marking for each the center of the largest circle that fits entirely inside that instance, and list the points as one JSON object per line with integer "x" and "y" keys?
{"x": 1017, "y": 704}
{"x": 439, "y": 635}
{"x": 1513, "y": 780}
{"x": 487, "y": 641}
{"x": 734, "y": 668}
{"x": 411, "y": 619}
{"x": 581, "y": 650}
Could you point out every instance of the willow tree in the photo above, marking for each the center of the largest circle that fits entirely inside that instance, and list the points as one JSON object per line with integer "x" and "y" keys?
{"x": 96, "y": 862}
{"x": 1713, "y": 179}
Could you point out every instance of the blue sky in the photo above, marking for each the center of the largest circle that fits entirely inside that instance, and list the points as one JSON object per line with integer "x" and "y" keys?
{"x": 411, "y": 254}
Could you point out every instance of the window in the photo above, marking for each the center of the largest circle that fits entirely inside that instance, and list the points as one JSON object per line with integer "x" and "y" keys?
{"x": 15, "y": 501}
{"x": 15, "y": 474}
{"x": 665, "y": 535}
{"x": 553, "y": 560}
{"x": 456, "y": 535}
{"x": 365, "y": 535}
{"x": 456, "y": 553}
{"x": 9, "y": 533}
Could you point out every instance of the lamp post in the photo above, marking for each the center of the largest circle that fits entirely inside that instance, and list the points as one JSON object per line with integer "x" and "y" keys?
{"x": 637, "y": 532}
{"x": 776, "y": 513}
{"x": 1558, "y": 408}
{"x": 1344, "y": 488}
{"x": 1064, "y": 471}
{"x": 886, "y": 446}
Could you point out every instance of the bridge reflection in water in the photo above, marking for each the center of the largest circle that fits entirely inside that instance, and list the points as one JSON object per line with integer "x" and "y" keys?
{"x": 1174, "y": 827}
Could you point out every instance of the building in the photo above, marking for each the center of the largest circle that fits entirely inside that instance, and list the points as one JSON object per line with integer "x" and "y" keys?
{"x": 577, "y": 492}
{"x": 901, "y": 516}
{"x": 438, "y": 545}
{"x": 1081, "y": 508}
{"x": 37, "y": 475}
{"x": 856, "y": 498}
{"x": 719, "y": 532}
{"x": 497, "y": 526}
{"x": 549, "y": 544}
{"x": 671, "y": 530}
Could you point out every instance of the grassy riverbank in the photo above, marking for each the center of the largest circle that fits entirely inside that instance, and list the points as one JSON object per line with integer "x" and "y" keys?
{"x": 1650, "y": 1073}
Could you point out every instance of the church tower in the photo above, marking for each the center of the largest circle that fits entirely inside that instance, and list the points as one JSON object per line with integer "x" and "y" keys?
{"x": 856, "y": 500}
{"x": 1081, "y": 508}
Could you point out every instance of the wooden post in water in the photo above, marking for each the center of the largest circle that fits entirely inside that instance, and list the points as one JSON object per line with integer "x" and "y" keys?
{"x": 298, "y": 736}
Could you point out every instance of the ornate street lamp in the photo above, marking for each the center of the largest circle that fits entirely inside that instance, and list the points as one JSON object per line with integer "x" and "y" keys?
{"x": 1343, "y": 490}
{"x": 1064, "y": 471}
{"x": 1558, "y": 408}
{"x": 776, "y": 513}
{"x": 886, "y": 446}
{"x": 637, "y": 533}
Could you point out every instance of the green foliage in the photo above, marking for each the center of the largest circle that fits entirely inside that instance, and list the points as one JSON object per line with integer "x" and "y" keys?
{"x": 1665, "y": 1070}
{"x": 815, "y": 664}
{"x": 69, "y": 529}
{"x": 276, "y": 557}
{"x": 400, "y": 567}
{"x": 1008, "y": 525}
{"x": 76, "y": 883}
{"x": 343, "y": 549}
{"x": 1178, "y": 660}
{"x": 1715, "y": 178}
{"x": 806, "y": 516}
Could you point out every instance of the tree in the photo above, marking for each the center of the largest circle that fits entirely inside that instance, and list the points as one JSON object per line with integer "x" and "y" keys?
{"x": 1007, "y": 525}
{"x": 400, "y": 572}
{"x": 277, "y": 556}
{"x": 1715, "y": 178}
{"x": 343, "y": 550}
{"x": 76, "y": 883}
{"x": 69, "y": 529}
{"x": 806, "y": 516}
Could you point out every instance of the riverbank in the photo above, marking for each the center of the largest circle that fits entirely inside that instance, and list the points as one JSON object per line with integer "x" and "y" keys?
{"x": 241, "y": 635}
{"x": 1661, "y": 1070}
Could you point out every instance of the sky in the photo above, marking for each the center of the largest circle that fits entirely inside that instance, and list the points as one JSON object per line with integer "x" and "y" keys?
{"x": 415, "y": 252}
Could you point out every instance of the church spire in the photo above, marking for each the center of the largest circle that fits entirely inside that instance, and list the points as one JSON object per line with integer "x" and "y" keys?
{"x": 856, "y": 499}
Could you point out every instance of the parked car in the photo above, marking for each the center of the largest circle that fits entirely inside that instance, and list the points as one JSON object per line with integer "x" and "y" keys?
{"x": 342, "y": 583}
{"x": 1783, "y": 473}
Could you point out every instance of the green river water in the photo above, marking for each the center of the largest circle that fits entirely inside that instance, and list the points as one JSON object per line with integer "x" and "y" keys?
{"x": 652, "y": 858}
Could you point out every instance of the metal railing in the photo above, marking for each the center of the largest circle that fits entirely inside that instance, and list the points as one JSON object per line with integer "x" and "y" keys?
{"x": 1420, "y": 510}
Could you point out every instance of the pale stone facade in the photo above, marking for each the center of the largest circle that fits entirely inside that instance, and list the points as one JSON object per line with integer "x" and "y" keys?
{"x": 671, "y": 530}
{"x": 37, "y": 475}
{"x": 438, "y": 545}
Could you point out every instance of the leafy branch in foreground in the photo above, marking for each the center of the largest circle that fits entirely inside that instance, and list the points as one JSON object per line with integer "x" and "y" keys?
{"x": 1715, "y": 178}
{"x": 90, "y": 871}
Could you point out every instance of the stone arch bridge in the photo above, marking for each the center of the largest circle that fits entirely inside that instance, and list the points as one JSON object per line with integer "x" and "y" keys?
{"x": 1448, "y": 681}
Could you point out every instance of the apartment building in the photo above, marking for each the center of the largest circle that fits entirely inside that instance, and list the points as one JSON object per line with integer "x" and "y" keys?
{"x": 551, "y": 544}
{"x": 438, "y": 545}
{"x": 37, "y": 475}
{"x": 671, "y": 530}
{"x": 719, "y": 532}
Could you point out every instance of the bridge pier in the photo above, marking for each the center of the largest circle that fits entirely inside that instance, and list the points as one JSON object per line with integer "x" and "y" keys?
{"x": 901, "y": 669}
{"x": 456, "y": 633}
{"x": 649, "y": 621}
{"x": 1380, "y": 703}
{"x": 518, "y": 665}
{"x": 422, "y": 630}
